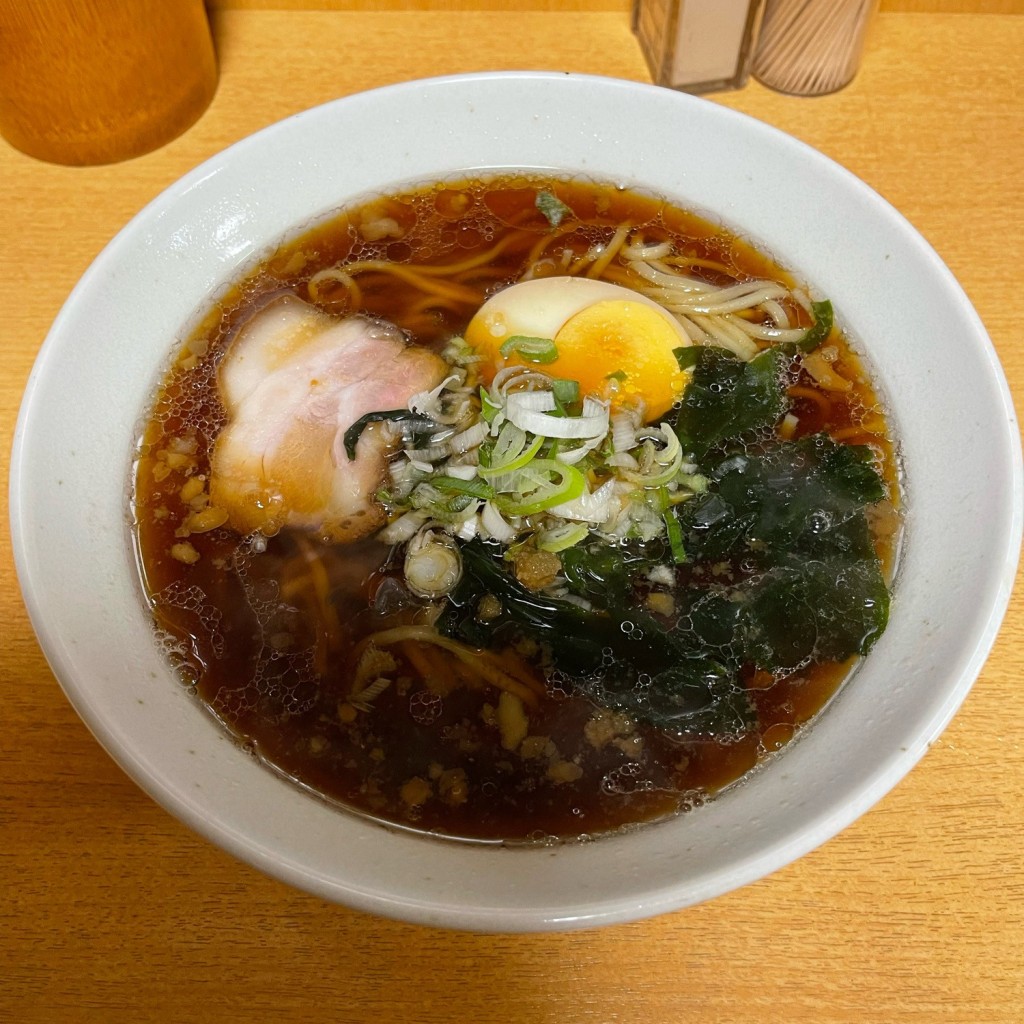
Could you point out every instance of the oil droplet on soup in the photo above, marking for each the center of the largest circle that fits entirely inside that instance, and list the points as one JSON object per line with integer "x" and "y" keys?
{"x": 443, "y": 639}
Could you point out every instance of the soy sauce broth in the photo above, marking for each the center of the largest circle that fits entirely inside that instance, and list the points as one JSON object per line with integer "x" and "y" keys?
{"x": 266, "y": 631}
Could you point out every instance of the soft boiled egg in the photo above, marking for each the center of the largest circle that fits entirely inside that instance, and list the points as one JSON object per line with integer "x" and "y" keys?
{"x": 615, "y": 342}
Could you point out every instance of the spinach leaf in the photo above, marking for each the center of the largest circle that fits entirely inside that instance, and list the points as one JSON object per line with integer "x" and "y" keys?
{"x": 727, "y": 397}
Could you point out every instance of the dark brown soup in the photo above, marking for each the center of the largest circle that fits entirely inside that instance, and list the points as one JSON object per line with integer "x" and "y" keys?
{"x": 276, "y": 634}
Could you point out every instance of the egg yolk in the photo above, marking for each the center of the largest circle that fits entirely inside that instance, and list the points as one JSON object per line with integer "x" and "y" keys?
{"x": 623, "y": 350}
{"x": 615, "y": 348}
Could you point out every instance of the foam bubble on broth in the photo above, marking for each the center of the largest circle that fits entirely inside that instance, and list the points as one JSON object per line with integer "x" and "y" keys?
{"x": 268, "y": 629}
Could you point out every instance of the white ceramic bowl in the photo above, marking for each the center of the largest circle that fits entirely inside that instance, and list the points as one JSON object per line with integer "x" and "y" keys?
{"x": 938, "y": 372}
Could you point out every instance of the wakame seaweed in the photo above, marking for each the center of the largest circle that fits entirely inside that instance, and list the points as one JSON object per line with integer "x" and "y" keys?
{"x": 414, "y": 422}
{"x": 607, "y": 573}
{"x": 727, "y": 397}
{"x": 802, "y": 498}
{"x": 783, "y": 523}
{"x": 621, "y": 658}
{"x": 781, "y": 569}
{"x": 820, "y": 329}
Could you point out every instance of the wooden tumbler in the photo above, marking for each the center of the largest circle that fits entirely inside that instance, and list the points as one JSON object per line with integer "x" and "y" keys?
{"x": 97, "y": 81}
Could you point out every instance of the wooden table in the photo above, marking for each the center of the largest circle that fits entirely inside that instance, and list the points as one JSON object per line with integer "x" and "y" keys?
{"x": 110, "y": 910}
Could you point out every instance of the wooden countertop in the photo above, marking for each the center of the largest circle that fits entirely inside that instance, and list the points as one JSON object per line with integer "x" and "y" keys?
{"x": 110, "y": 910}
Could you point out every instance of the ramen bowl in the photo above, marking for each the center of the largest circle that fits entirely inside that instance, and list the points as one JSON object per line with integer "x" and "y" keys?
{"x": 926, "y": 348}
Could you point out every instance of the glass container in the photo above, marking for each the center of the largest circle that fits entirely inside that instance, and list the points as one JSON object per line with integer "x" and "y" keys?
{"x": 812, "y": 47}
{"x": 697, "y": 45}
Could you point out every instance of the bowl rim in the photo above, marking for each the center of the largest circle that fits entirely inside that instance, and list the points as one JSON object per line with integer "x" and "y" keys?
{"x": 826, "y": 823}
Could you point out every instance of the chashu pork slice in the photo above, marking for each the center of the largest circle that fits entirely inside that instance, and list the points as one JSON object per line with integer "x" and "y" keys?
{"x": 292, "y": 382}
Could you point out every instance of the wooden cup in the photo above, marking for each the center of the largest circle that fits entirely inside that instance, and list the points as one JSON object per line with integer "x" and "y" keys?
{"x": 97, "y": 81}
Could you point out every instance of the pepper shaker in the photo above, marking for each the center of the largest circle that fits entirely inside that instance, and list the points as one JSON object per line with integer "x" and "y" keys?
{"x": 698, "y": 45}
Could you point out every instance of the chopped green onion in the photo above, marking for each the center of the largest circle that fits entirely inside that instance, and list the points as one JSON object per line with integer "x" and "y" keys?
{"x": 456, "y": 503}
{"x": 552, "y": 207}
{"x": 460, "y": 352}
{"x": 566, "y": 535}
{"x": 453, "y": 485}
{"x": 509, "y": 443}
{"x": 821, "y": 329}
{"x": 591, "y": 423}
{"x": 565, "y": 391}
{"x": 430, "y": 498}
{"x": 667, "y": 475}
{"x": 675, "y": 536}
{"x": 568, "y": 483}
{"x": 657, "y": 467}
{"x": 672, "y": 527}
{"x": 535, "y": 350}
{"x": 488, "y": 409}
{"x": 619, "y": 375}
{"x": 512, "y": 450}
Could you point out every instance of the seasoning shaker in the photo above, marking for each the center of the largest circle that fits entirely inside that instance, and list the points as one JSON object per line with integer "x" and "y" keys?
{"x": 812, "y": 47}
{"x": 698, "y": 45}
